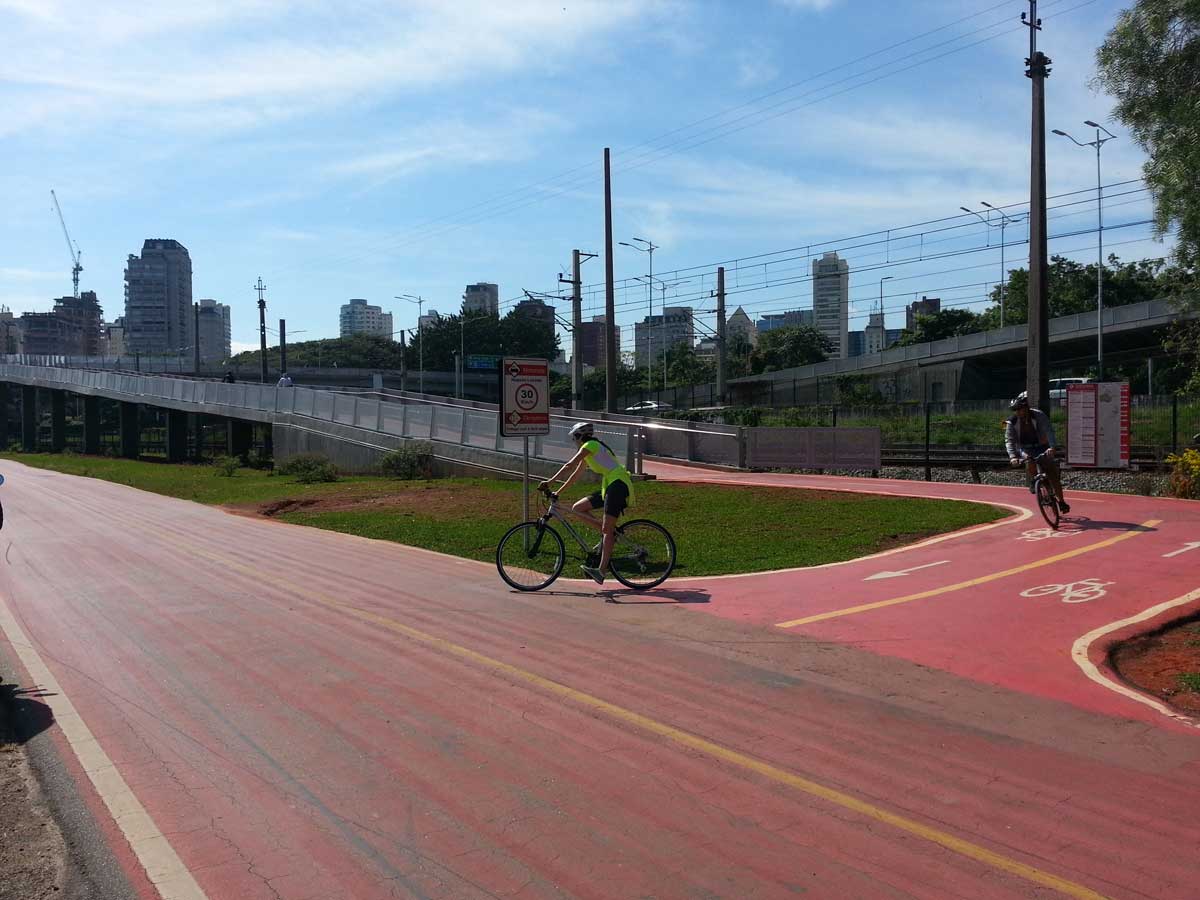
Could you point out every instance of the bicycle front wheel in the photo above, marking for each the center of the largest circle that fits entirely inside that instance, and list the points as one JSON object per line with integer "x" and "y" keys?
{"x": 1047, "y": 503}
{"x": 530, "y": 556}
{"x": 643, "y": 555}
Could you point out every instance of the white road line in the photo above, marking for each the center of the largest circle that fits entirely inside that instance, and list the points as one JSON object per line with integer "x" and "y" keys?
{"x": 163, "y": 866}
{"x": 1079, "y": 652}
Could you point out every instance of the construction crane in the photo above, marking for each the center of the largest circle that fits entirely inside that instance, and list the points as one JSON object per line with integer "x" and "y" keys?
{"x": 72, "y": 247}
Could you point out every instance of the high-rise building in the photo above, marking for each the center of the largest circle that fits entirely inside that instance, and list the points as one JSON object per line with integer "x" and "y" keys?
{"x": 158, "y": 298}
{"x": 791, "y": 319}
{"x": 740, "y": 324}
{"x": 84, "y": 315}
{"x": 10, "y": 331}
{"x": 360, "y": 317}
{"x": 669, "y": 330}
{"x": 926, "y": 306}
{"x": 537, "y": 312}
{"x": 215, "y": 332}
{"x": 591, "y": 342}
{"x": 49, "y": 334}
{"x": 875, "y": 334}
{"x": 114, "y": 337}
{"x": 482, "y": 298}
{"x": 831, "y": 300}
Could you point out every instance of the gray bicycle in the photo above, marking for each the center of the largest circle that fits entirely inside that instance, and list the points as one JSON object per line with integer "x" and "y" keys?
{"x": 531, "y": 555}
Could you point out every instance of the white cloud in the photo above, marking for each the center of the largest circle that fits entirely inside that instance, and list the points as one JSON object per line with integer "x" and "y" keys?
{"x": 228, "y": 65}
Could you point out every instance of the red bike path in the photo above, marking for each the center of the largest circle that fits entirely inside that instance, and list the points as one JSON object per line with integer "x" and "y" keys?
{"x": 253, "y": 709}
{"x": 1010, "y": 604}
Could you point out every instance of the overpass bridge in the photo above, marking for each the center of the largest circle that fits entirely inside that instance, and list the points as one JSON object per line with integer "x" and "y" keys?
{"x": 354, "y": 428}
{"x": 981, "y": 366}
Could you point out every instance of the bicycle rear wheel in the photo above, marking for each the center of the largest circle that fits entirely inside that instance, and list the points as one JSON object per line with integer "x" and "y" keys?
{"x": 643, "y": 555}
{"x": 1047, "y": 503}
{"x": 530, "y": 556}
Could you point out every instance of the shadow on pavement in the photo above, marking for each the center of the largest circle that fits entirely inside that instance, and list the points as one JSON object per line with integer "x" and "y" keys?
{"x": 657, "y": 595}
{"x": 22, "y": 716}
{"x": 1086, "y": 524}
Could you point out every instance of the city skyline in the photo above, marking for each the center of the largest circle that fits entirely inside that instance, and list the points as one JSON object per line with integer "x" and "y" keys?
{"x": 424, "y": 186}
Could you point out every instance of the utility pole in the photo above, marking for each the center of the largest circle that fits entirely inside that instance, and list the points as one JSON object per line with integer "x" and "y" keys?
{"x": 1037, "y": 351}
{"x": 722, "y": 358}
{"x": 610, "y": 311}
{"x": 576, "y": 282}
{"x": 196, "y": 336}
{"x": 262, "y": 326}
{"x": 282, "y": 346}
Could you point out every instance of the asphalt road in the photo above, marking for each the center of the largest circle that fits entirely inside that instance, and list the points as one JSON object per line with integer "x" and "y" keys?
{"x": 250, "y": 709}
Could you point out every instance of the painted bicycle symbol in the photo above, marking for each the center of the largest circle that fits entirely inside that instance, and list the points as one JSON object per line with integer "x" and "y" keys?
{"x": 1072, "y": 592}
{"x": 1046, "y": 534}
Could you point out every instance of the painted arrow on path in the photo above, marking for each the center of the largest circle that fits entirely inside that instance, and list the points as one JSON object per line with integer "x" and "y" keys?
{"x": 899, "y": 572}
{"x": 1184, "y": 549}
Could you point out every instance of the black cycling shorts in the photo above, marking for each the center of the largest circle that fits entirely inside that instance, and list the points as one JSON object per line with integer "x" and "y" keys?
{"x": 615, "y": 502}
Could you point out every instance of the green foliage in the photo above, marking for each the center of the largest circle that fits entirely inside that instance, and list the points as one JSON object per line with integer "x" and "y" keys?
{"x": 480, "y": 333}
{"x": 1190, "y": 681}
{"x": 226, "y": 466}
{"x": 1185, "y": 474}
{"x": 684, "y": 367}
{"x": 1149, "y": 63}
{"x": 411, "y": 461}
{"x": 943, "y": 324}
{"x": 859, "y": 390}
{"x": 309, "y": 468}
{"x": 786, "y": 348}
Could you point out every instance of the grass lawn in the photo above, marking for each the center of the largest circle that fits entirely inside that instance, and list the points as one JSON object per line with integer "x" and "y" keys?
{"x": 718, "y": 530}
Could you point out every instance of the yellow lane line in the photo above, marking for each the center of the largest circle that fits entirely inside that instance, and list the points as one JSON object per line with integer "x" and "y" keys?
{"x": 676, "y": 735}
{"x": 983, "y": 579}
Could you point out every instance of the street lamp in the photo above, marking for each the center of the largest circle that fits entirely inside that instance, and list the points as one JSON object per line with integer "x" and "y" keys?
{"x": 1097, "y": 143}
{"x": 416, "y": 298}
{"x": 1005, "y": 221}
{"x": 649, "y": 248}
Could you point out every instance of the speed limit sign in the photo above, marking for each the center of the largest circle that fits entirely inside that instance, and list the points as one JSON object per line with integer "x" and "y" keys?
{"x": 524, "y": 397}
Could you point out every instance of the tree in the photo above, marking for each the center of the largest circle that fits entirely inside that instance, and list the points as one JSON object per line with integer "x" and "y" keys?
{"x": 685, "y": 368}
{"x": 788, "y": 347}
{"x": 480, "y": 333}
{"x": 1072, "y": 288}
{"x": 943, "y": 324}
{"x": 1150, "y": 62}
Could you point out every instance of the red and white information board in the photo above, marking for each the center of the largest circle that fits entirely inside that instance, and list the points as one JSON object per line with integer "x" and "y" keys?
{"x": 1098, "y": 425}
{"x": 524, "y": 397}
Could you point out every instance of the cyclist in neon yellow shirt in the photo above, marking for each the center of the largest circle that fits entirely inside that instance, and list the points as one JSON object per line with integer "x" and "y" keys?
{"x": 615, "y": 494}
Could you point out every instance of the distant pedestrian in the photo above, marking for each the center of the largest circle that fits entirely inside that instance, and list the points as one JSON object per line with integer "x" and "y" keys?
{"x": 285, "y": 380}
{"x": 229, "y": 379}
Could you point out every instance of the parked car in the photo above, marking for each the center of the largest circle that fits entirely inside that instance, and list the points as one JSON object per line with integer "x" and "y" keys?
{"x": 648, "y": 408}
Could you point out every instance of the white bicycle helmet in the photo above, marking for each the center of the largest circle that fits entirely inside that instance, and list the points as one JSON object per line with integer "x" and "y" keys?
{"x": 582, "y": 430}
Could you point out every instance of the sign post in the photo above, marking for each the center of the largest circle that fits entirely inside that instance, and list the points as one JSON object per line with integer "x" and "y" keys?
{"x": 1098, "y": 425}
{"x": 524, "y": 406}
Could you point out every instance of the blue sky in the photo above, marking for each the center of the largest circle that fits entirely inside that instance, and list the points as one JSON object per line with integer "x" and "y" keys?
{"x": 370, "y": 149}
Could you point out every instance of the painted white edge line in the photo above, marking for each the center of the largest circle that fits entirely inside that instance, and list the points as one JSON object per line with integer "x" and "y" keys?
{"x": 1023, "y": 514}
{"x": 1079, "y": 652}
{"x": 163, "y": 866}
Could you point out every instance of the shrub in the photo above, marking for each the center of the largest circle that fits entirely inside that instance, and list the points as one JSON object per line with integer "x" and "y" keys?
{"x": 225, "y": 466}
{"x": 259, "y": 459}
{"x": 309, "y": 468}
{"x": 1185, "y": 474}
{"x": 410, "y": 461}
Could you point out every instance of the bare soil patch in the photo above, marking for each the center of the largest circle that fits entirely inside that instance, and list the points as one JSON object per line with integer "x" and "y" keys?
{"x": 444, "y": 502}
{"x": 32, "y": 851}
{"x": 1159, "y": 663}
